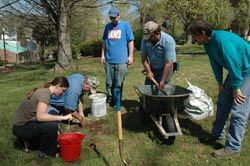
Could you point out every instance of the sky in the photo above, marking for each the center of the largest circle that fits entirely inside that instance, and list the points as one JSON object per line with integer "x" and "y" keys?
{"x": 105, "y": 6}
{"x": 132, "y": 12}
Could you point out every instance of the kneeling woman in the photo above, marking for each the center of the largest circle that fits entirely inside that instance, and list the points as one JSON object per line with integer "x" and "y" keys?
{"x": 32, "y": 122}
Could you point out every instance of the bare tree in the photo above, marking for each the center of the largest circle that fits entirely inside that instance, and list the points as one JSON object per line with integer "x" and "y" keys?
{"x": 58, "y": 13}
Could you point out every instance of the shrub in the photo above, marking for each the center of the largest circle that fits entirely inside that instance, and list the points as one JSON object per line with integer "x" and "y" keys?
{"x": 91, "y": 48}
{"x": 51, "y": 51}
{"x": 138, "y": 37}
{"x": 75, "y": 51}
{"x": 191, "y": 49}
{"x": 1, "y": 62}
{"x": 181, "y": 42}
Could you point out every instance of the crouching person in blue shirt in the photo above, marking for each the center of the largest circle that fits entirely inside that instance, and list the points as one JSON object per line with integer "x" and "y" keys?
{"x": 72, "y": 100}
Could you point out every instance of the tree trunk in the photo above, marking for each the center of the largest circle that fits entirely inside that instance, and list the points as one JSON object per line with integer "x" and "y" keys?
{"x": 65, "y": 59}
{"x": 189, "y": 39}
{"x": 246, "y": 31}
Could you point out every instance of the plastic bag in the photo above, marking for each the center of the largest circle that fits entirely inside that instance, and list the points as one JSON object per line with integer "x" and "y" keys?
{"x": 198, "y": 105}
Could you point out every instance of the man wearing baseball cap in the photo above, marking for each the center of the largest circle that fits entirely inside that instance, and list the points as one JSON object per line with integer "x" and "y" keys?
{"x": 158, "y": 54}
{"x": 117, "y": 53}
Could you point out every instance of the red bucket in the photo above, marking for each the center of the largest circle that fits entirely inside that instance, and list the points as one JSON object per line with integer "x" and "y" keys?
{"x": 70, "y": 145}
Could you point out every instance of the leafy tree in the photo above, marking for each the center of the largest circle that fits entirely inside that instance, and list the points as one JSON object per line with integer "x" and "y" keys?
{"x": 220, "y": 14}
{"x": 243, "y": 16}
{"x": 185, "y": 10}
{"x": 45, "y": 35}
{"x": 85, "y": 24}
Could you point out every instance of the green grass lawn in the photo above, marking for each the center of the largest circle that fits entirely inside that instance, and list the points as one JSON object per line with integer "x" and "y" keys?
{"x": 142, "y": 145}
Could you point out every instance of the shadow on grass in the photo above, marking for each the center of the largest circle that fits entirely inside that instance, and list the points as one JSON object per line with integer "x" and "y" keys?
{"x": 49, "y": 65}
{"x": 98, "y": 153}
{"x": 196, "y": 130}
{"x": 137, "y": 120}
{"x": 35, "y": 66}
{"x": 131, "y": 105}
{"x": 87, "y": 112}
{"x": 133, "y": 119}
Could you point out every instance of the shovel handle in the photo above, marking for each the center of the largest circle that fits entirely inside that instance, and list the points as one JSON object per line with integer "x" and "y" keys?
{"x": 157, "y": 84}
{"x": 154, "y": 81}
{"x": 119, "y": 120}
{"x": 119, "y": 117}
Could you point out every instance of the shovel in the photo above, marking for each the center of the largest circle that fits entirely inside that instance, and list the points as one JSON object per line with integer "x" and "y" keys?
{"x": 117, "y": 96}
{"x": 155, "y": 82}
{"x": 68, "y": 127}
{"x": 157, "y": 85}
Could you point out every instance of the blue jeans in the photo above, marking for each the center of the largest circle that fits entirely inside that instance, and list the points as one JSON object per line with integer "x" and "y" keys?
{"x": 158, "y": 76}
{"x": 115, "y": 76}
{"x": 239, "y": 115}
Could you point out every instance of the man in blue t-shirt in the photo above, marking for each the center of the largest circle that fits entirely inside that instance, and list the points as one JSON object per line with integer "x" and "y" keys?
{"x": 117, "y": 53}
{"x": 158, "y": 54}
{"x": 72, "y": 100}
{"x": 227, "y": 51}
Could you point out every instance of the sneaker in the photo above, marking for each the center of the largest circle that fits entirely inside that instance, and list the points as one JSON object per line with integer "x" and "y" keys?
{"x": 26, "y": 146}
{"x": 225, "y": 153}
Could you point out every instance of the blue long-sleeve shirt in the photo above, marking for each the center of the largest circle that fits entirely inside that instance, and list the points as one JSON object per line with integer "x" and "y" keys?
{"x": 228, "y": 50}
{"x": 71, "y": 97}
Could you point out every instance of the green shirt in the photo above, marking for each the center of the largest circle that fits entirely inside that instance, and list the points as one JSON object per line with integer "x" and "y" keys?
{"x": 228, "y": 50}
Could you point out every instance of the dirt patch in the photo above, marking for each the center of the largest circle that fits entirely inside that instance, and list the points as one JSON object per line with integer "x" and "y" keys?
{"x": 93, "y": 127}
{"x": 6, "y": 70}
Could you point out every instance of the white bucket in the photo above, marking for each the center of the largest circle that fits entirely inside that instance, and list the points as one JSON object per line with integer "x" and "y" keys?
{"x": 248, "y": 38}
{"x": 98, "y": 104}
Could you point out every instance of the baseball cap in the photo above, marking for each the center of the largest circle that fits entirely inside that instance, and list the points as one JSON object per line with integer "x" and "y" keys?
{"x": 114, "y": 12}
{"x": 93, "y": 83}
{"x": 148, "y": 28}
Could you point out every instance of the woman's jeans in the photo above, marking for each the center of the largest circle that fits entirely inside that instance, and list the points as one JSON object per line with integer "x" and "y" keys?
{"x": 115, "y": 76}
{"x": 239, "y": 115}
{"x": 45, "y": 132}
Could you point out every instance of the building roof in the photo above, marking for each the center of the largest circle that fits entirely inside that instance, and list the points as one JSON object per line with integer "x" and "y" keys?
{"x": 12, "y": 46}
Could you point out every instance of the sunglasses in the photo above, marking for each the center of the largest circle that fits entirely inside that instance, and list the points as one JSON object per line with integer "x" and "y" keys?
{"x": 112, "y": 18}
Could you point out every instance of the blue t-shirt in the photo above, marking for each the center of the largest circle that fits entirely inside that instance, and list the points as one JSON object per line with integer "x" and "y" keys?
{"x": 116, "y": 39}
{"x": 159, "y": 54}
{"x": 71, "y": 97}
{"x": 228, "y": 50}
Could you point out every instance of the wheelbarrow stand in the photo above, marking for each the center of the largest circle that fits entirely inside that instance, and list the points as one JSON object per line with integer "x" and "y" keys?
{"x": 162, "y": 107}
